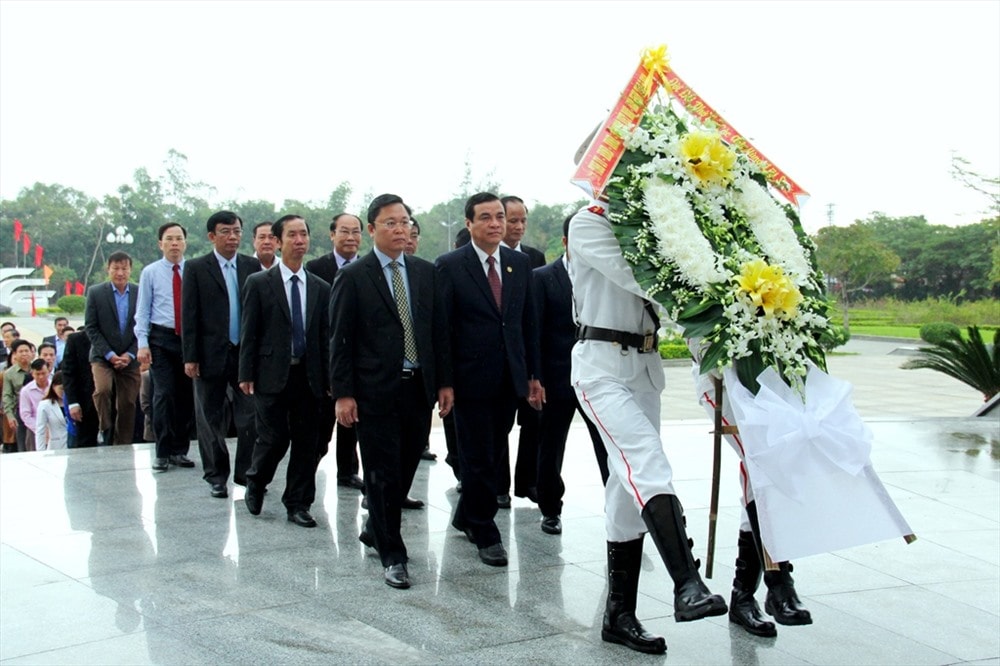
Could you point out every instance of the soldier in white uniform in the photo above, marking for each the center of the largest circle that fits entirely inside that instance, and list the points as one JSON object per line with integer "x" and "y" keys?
{"x": 781, "y": 602}
{"x": 618, "y": 378}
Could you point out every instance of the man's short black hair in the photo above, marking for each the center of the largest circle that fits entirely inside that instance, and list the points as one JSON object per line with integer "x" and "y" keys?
{"x": 380, "y": 202}
{"x": 59, "y": 319}
{"x": 510, "y": 198}
{"x": 415, "y": 224}
{"x": 279, "y": 226}
{"x": 167, "y": 225}
{"x": 17, "y": 344}
{"x": 462, "y": 237}
{"x": 44, "y": 345}
{"x": 475, "y": 200}
{"x": 257, "y": 226}
{"x": 6, "y": 324}
{"x": 119, "y": 255}
{"x": 222, "y": 217}
{"x": 566, "y": 225}
{"x": 336, "y": 219}
{"x": 38, "y": 364}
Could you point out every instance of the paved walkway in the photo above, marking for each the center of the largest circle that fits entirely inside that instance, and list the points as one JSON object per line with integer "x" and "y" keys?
{"x": 102, "y": 561}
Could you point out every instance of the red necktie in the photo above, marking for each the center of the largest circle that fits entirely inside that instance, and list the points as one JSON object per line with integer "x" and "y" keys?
{"x": 494, "y": 279}
{"x": 177, "y": 299}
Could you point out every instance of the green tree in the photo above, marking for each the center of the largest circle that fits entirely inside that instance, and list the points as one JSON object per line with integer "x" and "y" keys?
{"x": 855, "y": 259}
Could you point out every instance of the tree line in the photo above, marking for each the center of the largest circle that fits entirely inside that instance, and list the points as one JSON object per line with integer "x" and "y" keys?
{"x": 907, "y": 257}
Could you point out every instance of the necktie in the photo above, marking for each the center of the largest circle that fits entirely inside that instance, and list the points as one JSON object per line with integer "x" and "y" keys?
{"x": 494, "y": 279}
{"x": 177, "y": 299}
{"x": 298, "y": 329}
{"x": 234, "y": 303}
{"x": 403, "y": 308}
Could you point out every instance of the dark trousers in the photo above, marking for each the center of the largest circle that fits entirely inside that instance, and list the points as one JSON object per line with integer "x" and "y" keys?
{"x": 391, "y": 445}
{"x": 482, "y": 427}
{"x": 451, "y": 442}
{"x": 210, "y": 398}
{"x": 86, "y": 429}
{"x": 527, "y": 453}
{"x": 287, "y": 419}
{"x": 556, "y": 418}
{"x": 173, "y": 402}
{"x": 346, "y": 446}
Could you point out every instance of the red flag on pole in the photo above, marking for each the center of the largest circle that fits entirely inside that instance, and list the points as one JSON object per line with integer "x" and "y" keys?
{"x": 18, "y": 228}
{"x": 39, "y": 252}
{"x": 34, "y": 313}
{"x": 27, "y": 243}
{"x": 68, "y": 289}
{"x": 79, "y": 289}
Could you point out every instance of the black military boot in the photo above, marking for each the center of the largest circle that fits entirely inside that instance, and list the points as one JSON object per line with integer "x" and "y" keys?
{"x": 743, "y": 608}
{"x": 782, "y": 603}
{"x": 620, "y": 623}
{"x": 664, "y": 518}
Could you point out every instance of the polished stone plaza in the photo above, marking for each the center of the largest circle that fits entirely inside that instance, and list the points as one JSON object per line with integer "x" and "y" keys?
{"x": 103, "y": 561}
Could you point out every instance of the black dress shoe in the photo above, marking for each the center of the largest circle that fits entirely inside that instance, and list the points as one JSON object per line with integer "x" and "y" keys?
{"x": 254, "y": 499}
{"x": 458, "y": 487}
{"x": 531, "y": 494}
{"x": 503, "y": 501}
{"x": 551, "y": 525}
{"x": 219, "y": 490}
{"x": 467, "y": 531}
{"x": 495, "y": 555}
{"x": 161, "y": 464}
{"x": 410, "y": 503}
{"x": 427, "y": 455}
{"x": 396, "y": 576}
{"x": 302, "y": 518}
{"x": 352, "y": 481}
{"x": 181, "y": 460}
{"x": 364, "y": 502}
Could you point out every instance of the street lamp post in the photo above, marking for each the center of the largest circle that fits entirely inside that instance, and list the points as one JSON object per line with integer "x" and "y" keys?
{"x": 448, "y": 226}
{"x": 120, "y": 235}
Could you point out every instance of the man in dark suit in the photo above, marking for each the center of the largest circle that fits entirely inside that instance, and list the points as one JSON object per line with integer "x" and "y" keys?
{"x": 57, "y": 340}
{"x": 345, "y": 235}
{"x": 210, "y": 339}
{"x": 557, "y": 331}
{"x": 385, "y": 375}
{"x": 487, "y": 306}
{"x": 78, "y": 383}
{"x": 109, "y": 321}
{"x": 527, "y": 417}
{"x": 284, "y": 359}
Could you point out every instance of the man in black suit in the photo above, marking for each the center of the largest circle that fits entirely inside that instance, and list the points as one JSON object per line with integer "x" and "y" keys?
{"x": 385, "y": 374}
{"x": 109, "y": 321}
{"x": 487, "y": 306}
{"x": 210, "y": 339}
{"x": 57, "y": 340}
{"x": 78, "y": 383}
{"x": 527, "y": 417}
{"x": 284, "y": 359}
{"x": 345, "y": 235}
{"x": 557, "y": 331}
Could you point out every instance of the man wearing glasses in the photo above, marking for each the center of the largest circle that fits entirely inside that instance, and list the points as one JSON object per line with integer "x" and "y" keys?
{"x": 210, "y": 334}
{"x": 345, "y": 234}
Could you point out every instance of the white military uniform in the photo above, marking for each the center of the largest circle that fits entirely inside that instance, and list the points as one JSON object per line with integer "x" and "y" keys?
{"x": 619, "y": 389}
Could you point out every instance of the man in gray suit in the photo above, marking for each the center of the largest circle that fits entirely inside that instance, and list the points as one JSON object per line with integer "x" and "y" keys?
{"x": 109, "y": 322}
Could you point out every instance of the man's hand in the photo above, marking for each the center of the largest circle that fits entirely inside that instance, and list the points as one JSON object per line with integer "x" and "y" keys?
{"x": 536, "y": 394}
{"x": 76, "y": 413}
{"x": 246, "y": 387}
{"x": 144, "y": 356}
{"x": 346, "y": 410}
{"x": 191, "y": 370}
{"x": 12, "y": 422}
{"x": 446, "y": 400}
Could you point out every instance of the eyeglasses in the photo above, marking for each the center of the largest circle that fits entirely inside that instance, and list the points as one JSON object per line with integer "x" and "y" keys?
{"x": 393, "y": 224}
{"x": 235, "y": 231}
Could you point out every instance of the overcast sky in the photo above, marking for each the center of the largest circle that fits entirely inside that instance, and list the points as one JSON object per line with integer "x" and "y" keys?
{"x": 861, "y": 103}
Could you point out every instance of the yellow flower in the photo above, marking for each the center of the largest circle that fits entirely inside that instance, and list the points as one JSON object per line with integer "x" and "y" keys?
{"x": 769, "y": 288}
{"x": 706, "y": 157}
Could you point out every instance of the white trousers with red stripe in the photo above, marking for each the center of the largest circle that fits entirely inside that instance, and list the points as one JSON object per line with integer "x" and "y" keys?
{"x": 706, "y": 396}
{"x": 629, "y": 422}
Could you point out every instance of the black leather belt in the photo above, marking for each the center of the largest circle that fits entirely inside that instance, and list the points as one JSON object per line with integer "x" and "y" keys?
{"x": 642, "y": 343}
{"x": 409, "y": 373}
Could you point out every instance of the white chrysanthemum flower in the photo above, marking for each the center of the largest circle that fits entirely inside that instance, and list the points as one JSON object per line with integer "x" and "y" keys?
{"x": 772, "y": 230}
